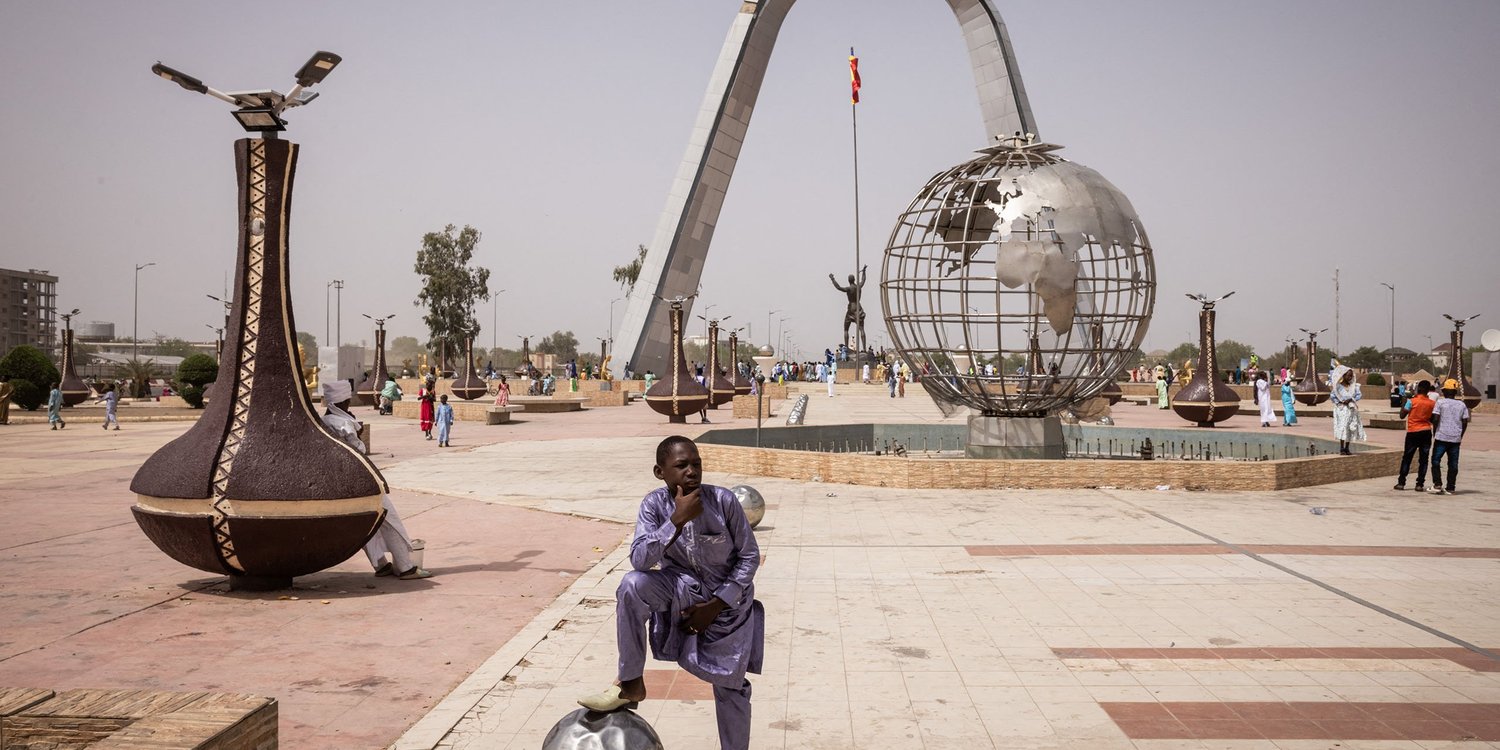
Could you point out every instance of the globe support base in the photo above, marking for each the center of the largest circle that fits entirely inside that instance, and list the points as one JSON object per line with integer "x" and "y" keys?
{"x": 259, "y": 583}
{"x": 1015, "y": 438}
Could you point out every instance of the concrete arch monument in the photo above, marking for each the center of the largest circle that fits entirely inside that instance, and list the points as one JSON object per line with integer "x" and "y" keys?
{"x": 679, "y": 249}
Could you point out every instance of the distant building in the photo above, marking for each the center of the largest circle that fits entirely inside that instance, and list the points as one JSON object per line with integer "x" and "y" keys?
{"x": 28, "y": 310}
{"x": 1441, "y": 355}
{"x": 94, "y": 330}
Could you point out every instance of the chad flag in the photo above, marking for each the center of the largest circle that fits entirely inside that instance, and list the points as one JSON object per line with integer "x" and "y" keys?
{"x": 853, "y": 78}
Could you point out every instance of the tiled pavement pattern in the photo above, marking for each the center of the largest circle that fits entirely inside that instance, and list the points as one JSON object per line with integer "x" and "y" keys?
{"x": 1048, "y": 619}
{"x": 886, "y": 629}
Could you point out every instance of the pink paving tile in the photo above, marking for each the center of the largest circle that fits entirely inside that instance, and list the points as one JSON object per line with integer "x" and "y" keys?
{"x": 1308, "y": 720}
{"x": 1464, "y": 657}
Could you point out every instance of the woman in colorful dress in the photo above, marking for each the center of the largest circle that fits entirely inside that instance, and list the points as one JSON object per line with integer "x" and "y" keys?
{"x": 502, "y": 392}
{"x": 1288, "y": 401}
{"x": 428, "y": 399}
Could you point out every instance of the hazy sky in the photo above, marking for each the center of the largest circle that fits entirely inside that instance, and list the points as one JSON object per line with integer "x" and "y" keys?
{"x": 1263, "y": 144}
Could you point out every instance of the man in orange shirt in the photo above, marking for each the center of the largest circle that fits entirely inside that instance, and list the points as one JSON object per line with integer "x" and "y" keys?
{"x": 1418, "y": 414}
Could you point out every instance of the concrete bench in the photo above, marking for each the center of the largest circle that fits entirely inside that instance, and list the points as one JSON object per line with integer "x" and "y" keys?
{"x": 548, "y": 404}
{"x": 501, "y": 414}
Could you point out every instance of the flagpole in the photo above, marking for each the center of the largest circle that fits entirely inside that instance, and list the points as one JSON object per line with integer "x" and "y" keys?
{"x": 859, "y": 343}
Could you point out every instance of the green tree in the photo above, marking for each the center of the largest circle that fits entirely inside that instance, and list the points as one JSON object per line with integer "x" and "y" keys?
{"x": 1367, "y": 357}
{"x": 628, "y": 274}
{"x": 309, "y": 344}
{"x": 31, "y": 373}
{"x": 139, "y": 372}
{"x": 196, "y": 371}
{"x": 561, "y": 344}
{"x": 1181, "y": 353}
{"x": 1229, "y": 353}
{"x": 404, "y": 348}
{"x": 450, "y": 287}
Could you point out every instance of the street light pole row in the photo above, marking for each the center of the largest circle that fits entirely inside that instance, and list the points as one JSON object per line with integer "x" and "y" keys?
{"x": 135, "y": 316}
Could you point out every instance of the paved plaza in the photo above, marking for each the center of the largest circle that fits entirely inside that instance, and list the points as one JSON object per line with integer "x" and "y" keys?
{"x": 928, "y": 619}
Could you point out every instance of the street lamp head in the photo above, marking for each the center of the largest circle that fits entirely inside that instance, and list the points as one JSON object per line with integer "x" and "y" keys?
{"x": 139, "y": 266}
{"x": 180, "y": 78}
{"x": 317, "y": 68}
{"x": 260, "y": 111}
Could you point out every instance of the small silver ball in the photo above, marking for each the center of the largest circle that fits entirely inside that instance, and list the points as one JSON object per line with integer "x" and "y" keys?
{"x": 751, "y": 500}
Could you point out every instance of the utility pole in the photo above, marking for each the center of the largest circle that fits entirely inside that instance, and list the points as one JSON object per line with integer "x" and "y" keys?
{"x": 135, "y": 315}
{"x": 1336, "y": 343}
{"x": 338, "y": 316}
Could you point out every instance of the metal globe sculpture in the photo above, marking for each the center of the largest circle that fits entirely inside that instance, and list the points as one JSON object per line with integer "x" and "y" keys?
{"x": 752, "y": 502}
{"x": 1005, "y": 269}
{"x": 591, "y": 730}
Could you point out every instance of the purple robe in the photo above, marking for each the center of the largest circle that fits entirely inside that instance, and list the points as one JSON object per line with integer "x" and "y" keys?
{"x": 715, "y": 555}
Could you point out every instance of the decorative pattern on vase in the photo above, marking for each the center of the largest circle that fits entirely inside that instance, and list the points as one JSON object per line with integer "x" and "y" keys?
{"x": 1311, "y": 390}
{"x": 741, "y": 383}
{"x": 1467, "y": 393}
{"x": 74, "y": 390}
{"x": 258, "y": 488}
{"x": 1206, "y": 400}
{"x": 468, "y": 385}
{"x": 368, "y": 392}
{"x": 678, "y": 394}
{"x": 720, "y": 388}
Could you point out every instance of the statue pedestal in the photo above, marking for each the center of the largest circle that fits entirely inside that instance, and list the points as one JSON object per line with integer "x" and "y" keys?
{"x": 1015, "y": 437}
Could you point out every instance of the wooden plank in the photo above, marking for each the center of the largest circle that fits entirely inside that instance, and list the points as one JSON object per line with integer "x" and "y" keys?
{"x": 15, "y": 700}
{"x": 219, "y": 721}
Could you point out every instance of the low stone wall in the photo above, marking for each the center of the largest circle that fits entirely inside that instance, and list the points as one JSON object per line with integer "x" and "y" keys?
{"x": 1245, "y": 392}
{"x": 744, "y": 407}
{"x": 595, "y": 397}
{"x": 481, "y": 411}
{"x": 103, "y": 719}
{"x": 955, "y": 473}
{"x": 549, "y": 404}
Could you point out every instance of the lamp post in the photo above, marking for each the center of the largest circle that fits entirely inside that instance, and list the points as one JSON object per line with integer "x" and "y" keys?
{"x": 338, "y": 316}
{"x": 610, "y": 332}
{"x": 769, "y": 313}
{"x": 135, "y": 315}
{"x": 227, "y": 307}
{"x": 494, "y": 319}
{"x": 1392, "y": 287}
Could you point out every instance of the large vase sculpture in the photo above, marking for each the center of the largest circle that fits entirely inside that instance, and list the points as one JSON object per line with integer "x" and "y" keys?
{"x": 741, "y": 383}
{"x": 1311, "y": 391}
{"x": 720, "y": 388}
{"x": 74, "y": 390}
{"x": 1206, "y": 400}
{"x": 258, "y": 488}
{"x": 1469, "y": 394}
{"x": 468, "y": 385}
{"x": 678, "y": 394}
{"x": 368, "y": 392}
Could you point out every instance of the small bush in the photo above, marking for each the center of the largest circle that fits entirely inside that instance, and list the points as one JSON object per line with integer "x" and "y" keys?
{"x": 198, "y": 370}
{"x": 29, "y": 363}
{"x": 192, "y": 394}
{"x": 1374, "y": 378}
{"x": 28, "y": 395}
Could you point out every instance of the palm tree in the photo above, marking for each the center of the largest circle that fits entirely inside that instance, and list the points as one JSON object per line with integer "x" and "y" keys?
{"x": 139, "y": 372}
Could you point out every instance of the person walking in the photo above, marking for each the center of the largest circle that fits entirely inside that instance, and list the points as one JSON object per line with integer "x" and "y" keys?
{"x": 1263, "y": 398}
{"x": 890, "y": 381}
{"x": 832, "y": 373}
{"x": 1161, "y": 390}
{"x": 427, "y": 400}
{"x": 1450, "y": 420}
{"x": 1346, "y": 395}
{"x": 111, "y": 399}
{"x": 54, "y": 408}
{"x": 444, "y": 420}
{"x": 1288, "y": 403}
{"x": 1418, "y": 415}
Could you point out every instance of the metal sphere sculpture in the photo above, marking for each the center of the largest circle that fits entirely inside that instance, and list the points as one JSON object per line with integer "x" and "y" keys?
{"x": 1016, "y": 261}
{"x": 591, "y": 730}
{"x": 752, "y": 502}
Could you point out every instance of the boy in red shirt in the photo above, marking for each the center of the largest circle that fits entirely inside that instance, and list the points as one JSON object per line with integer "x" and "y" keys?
{"x": 1418, "y": 414}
